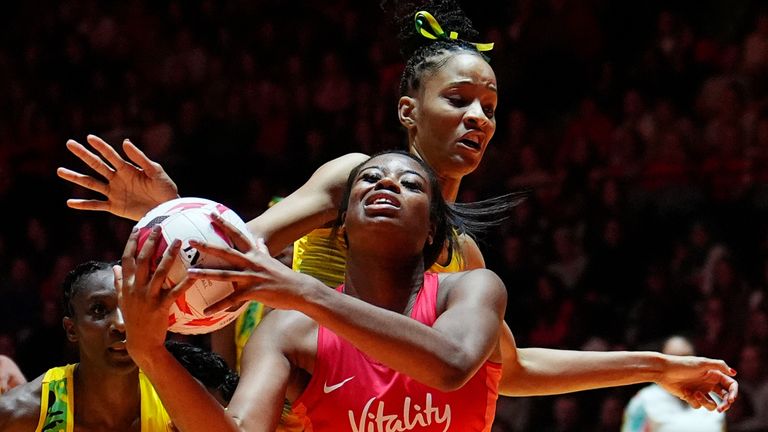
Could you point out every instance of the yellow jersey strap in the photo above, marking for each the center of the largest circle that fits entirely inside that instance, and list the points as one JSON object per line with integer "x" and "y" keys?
{"x": 56, "y": 400}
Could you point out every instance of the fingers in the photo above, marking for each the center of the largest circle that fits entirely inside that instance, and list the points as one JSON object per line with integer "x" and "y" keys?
{"x": 94, "y": 162}
{"x": 221, "y": 275}
{"x": 128, "y": 260}
{"x": 83, "y": 180}
{"x": 117, "y": 271}
{"x": 705, "y": 401}
{"x": 239, "y": 239}
{"x": 178, "y": 290}
{"x": 83, "y": 204}
{"x": 234, "y": 300}
{"x": 693, "y": 401}
{"x": 145, "y": 256}
{"x": 233, "y": 256}
{"x": 725, "y": 387}
{"x": 107, "y": 151}
{"x": 166, "y": 263}
{"x": 138, "y": 157}
{"x": 731, "y": 393}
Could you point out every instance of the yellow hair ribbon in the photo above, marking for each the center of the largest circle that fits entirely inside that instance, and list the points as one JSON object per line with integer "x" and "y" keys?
{"x": 424, "y": 19}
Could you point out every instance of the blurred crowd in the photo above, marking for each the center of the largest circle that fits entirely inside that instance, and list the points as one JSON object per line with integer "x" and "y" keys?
{"x": 641, "y": 128}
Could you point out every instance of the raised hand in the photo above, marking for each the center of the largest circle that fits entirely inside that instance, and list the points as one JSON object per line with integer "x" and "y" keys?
{"x": 144, "y": 301}
{"x": 692, "y": 379}
{"x": 132, "y": 188}
{"x": 255, "y": 274}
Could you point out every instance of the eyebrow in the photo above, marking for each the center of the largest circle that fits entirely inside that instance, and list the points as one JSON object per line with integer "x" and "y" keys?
{"x": 99, "y": 296}
{"x": 407, "y": 171}
{"x": 468, "y": 82}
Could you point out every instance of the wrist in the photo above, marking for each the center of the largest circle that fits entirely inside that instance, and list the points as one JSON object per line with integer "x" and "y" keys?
{"x": 658, "y": 365}
{"x": 314, "y": 298}
{"x": 146, "y": 356}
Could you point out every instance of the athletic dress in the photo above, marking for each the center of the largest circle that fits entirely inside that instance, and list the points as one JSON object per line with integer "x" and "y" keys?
{"x": 323, "y": 257}
{"x": 349, "y": 391}
{"x": 57, "y": 403}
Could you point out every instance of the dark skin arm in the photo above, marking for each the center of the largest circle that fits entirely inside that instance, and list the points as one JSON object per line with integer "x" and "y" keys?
{"x": 20, "y": 407}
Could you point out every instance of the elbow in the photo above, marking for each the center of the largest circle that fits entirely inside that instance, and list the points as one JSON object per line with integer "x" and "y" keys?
{"x": 454, "y": 374}
{"x": 451, "y": 383}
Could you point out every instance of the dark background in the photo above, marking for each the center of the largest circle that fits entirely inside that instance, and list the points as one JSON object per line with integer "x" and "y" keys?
{"x": 641, "y": 126}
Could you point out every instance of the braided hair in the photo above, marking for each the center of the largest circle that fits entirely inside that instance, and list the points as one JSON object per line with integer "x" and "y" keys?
{"x": 424, "y": 56}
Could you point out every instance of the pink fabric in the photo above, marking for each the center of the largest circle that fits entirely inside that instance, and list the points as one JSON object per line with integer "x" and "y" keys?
{"x": 349, "y": 391}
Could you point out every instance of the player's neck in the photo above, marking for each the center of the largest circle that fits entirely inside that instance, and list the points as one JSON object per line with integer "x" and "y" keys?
{"x": 388, "y": 284}
{"x": 449, "y": 187}
{"x": 106, "y": 399}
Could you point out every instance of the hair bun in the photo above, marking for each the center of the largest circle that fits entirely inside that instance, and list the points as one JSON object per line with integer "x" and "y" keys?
{"x": 447, "y": 12}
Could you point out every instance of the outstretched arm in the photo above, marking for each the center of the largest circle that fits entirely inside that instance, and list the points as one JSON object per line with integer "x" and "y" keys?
{"x": 444, "y": 355}
{"x": 134, "y": 186}
{"x": 540, "y": 371}
{"x": 312, "y": 206}
{"x": 131, "y": 187}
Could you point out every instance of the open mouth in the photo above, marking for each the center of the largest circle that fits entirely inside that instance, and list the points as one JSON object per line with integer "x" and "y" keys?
{"x": 382, "y": 199}
{"x": 471, "y": 142}
{"x": 118, "y": 347}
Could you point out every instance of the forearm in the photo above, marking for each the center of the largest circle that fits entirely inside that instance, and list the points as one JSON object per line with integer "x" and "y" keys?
{"x": 433, "y": 358}
{"x": 189, "y": 405}
{"x": 541, "y": 371}
{"x": 311, "y": 206}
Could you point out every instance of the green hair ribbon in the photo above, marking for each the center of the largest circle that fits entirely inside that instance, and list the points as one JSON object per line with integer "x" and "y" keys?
{"x": 428, "y": 27}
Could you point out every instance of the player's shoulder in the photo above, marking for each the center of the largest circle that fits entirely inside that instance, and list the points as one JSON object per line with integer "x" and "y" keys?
{"x": 476, "y": 276}
{"x": 284, "y": 326}
{"x": 472, "y": 283}
{"x": 20, "y": 407}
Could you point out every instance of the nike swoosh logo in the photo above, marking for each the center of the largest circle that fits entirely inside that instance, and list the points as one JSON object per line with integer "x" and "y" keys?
{"x": 327, "y": 389}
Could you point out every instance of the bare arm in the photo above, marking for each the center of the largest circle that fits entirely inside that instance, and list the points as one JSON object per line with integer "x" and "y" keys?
{"x": 10, "y": 374}
{"x": 540, "y": 371}
{"x": 144, "y": 304}
{"x": 20, "y": 407}
{"x": 311, "y": 206}
{"x": 284, "y": 342}
{"x": 444, "y": 356}
{"x": 134, "y": 186}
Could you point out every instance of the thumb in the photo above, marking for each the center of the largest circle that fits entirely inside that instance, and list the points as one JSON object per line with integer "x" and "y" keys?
{"x": 117, "y": 271}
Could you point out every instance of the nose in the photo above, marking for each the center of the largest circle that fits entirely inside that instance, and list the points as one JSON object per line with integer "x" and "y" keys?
{"x": 388, "y": 183}
{"x": 475, "y": 117}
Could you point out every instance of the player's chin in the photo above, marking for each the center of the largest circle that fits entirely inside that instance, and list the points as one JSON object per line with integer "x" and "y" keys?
{"x": 120, "y": 359}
